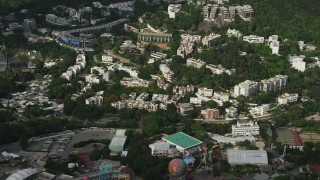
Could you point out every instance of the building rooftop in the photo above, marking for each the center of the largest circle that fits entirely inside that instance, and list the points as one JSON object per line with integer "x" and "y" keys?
{"x": 257, "y": 157}
{"x": 183, "y": 140}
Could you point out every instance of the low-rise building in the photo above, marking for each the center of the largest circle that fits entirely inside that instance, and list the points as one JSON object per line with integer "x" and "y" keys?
{"x": 107, "y": 59}
{"x": 155, "y": 37}
{"x": 187, "y": 44}
{"x": 253, "y": 39}
{"x": 160, "y": 148}
{"x": 232, "y": 140}
{"x": 246, "y": 88}
{"x": 185, "y": 107}
{"x": 94, "y": 101}
{"x": 209, "y": 40}
{"x": 241, "y": 157}
{"x": 157, "y": 56}
{"x": 134, "y": 82}
{"x": 181, "y": 90}
{"x": 91, "y": 78}
{"x": 245, "y": 12}
{"x": 184, "y": 143}
{"x": 195, "y": 101}
{"x": 305, "y": 46}
{"x": 274, "y": 44}
{"x": 210, "y": 113}
{"x": 118, "y": 141}
{"x": 119, "y": 104}
{"x": 205, "y": 92}
{"x": 196, "y": 63}
{"x": 234, "y": 33}
{"x": 245, "y": 128}
{"x": 231, "y": 111}
{"x": 288, "y": 98}
{"x": 55, "y": 20}
{"x": 218, "y": 69}
{"x": 174, "y": 10}
{"x": 258, "y": 111}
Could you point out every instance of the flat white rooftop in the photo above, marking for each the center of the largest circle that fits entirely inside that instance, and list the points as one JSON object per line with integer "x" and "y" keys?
{"x": 255, "y": 157}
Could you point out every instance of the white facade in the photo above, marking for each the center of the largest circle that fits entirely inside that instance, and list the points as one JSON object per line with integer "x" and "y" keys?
{"x": 253, "y": 39}
{"x": 95, "y": 100}
{"x": 274, "y": 84}
{"x": 218, "y": 69}
{"x": 245, "y": 129}
{"x": 299, "y": 65}
{"x": 231, "y": 111}
{"x": 107, "y": 59}
{"x": 246, "y": 88}
{"x": 205, "y": 92}
{"x": 195, "y": 101}
{"x": 187, "y": 44}
{"x": 288, "y": 98}
{"x": 305, "y": 46}
{"x": 196, "y": 63}
{"x": 134, "y": 82}
{"x": 93, "y": 79}
{"x": 208, "y": 40}
{"x": 75, "y": 69}
{"x": 166, "y": 72}
{"x": 258, "y": 111}
{"x": 173, "y": 10}
{"x": 241, "y": 157}
{"x": 234, "y": 33}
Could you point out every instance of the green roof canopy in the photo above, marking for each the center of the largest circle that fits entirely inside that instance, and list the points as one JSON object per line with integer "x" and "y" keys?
{"x": 183, "y": 140}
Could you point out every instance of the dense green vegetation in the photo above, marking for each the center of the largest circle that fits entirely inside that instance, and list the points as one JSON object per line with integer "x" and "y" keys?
{"x": 35, "y": 127}
{"x": 291, "y": 19}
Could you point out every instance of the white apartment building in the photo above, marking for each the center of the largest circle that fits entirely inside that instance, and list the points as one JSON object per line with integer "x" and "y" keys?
{"x": 91, "y": 78}
{"x": 273, "y": 84}
{"x": 258, "y": 111}
{"x": 297, "y": 62}
{"x": 174, "y": 10}
{"x": 75, "y": 69}
{"x": 196, "y": 63}
{"x": 107, "y": 59}
{"x": 231, "y": 111}
{"x": 305, "y": 46}
{"x": 94, "y": 101}
{"x": 107, "y": 75}
{"x": 166, "y": 72}
{"x": 195, "y": 101}
{"x": 292, "y": 58}
{"x": 218, "y": 69}
{"x": 208, "y": 40}
{"x": 132, "y": 72}
{"x": 245, "y": 129}
{"x": 183, "y": 89}
{"x": 187, "y": 44}
{"x": 233, "y": 33}
{"x": 119, "y": 104}
{"x": 134, "y": 82}
{"x": 253, "y": 39}
{"x": 275, "y": 46}
{"x": 246, "y": 88}
{"x": 245, "y": 12}
{"x": 221, "y": 96}
{"x": 299, "y": 65}
{"x": 158, "y": 55}
{"x": 205, "y": 92}
{"x": 288, "y": 98}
